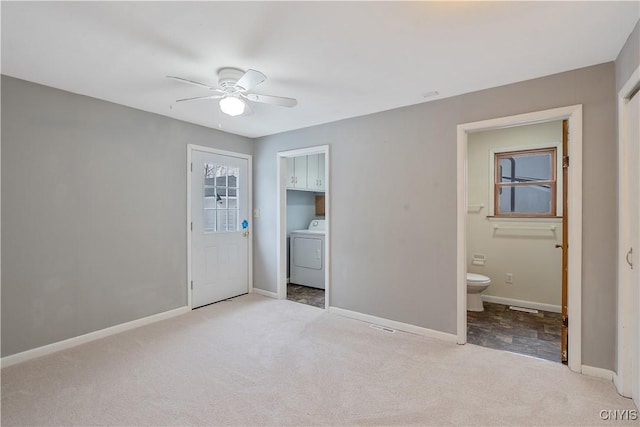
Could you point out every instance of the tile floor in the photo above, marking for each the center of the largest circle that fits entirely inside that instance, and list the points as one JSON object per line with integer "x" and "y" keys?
{"x": 305, "y": 295}
{"x": 532, "y": 334}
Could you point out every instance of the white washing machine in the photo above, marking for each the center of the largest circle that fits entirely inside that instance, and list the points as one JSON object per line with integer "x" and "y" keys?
{"x": 306, "y": 255}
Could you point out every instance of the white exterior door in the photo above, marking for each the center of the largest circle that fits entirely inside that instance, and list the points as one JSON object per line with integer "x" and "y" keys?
{"x": 220, "y": 228}
{"x": 633, "y": 254}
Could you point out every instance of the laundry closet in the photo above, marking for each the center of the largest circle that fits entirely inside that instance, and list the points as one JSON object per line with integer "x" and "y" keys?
{"x": 305, "y": 184}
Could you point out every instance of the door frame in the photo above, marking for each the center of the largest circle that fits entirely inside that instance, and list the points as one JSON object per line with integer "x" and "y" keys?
{"x": 623, "y": 377}
{"x": 574, "y": 115}
{"x": 281, "y": 253}
{"x": 190, "y": 149}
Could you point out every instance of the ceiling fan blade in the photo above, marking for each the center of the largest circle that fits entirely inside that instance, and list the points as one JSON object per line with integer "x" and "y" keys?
{"x": 273, "y": 100}
{"x": 201, "y": 97}
{"x": 249, "y": 80}
{"x": 180, "y": 79}
{"x": 247, "y": 109}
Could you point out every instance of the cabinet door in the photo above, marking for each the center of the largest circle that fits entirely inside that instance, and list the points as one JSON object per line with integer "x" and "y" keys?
{"x": 321, "y": 178}
{"x": 312, "y": 171}
{"x": 300, "y": 169}
{"x": 315, "y": 172}
{"x": 290, "y": 176}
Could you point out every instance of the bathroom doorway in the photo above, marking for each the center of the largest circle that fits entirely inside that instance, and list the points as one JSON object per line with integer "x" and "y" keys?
{"x": 303, "y": 234}
{"x": 516, "y": 194}
{"x": 514, "y": 229}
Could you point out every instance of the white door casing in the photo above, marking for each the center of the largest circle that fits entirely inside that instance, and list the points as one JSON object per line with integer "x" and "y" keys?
{"x": 219, "y": 236}
{"x": 631, "y": 256}
{"x": 574, "y": 116}
{"x": 631, "y": 244}
{"x": 284, "y": 161}
{"x": 627, "y": 376}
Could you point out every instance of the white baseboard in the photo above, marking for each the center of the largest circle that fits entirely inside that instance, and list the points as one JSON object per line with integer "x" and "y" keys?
{"x": 265, "y": 293}
{"x": 616, "y": 383}
{"x": 406, "y": 327}
{"x": 598, "y": 372}
{"x": 520, "y": 303}
{"x": 91, "y": 336}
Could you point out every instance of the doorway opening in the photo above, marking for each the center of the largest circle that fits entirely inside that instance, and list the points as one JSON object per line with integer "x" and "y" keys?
{"x": 514, "y": 239}
{"x": 303, "y": 226}
{"x": 534, "y": 173}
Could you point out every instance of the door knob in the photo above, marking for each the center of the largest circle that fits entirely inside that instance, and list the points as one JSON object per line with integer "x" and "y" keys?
{"x": 628, "y": 258}
{"x": 558, "y": 245}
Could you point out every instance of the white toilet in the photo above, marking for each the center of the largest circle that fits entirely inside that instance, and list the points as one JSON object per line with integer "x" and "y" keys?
{"x": 476, "y": 284}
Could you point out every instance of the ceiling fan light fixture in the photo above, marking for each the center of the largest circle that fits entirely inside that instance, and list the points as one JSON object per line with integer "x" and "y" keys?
{"x": 234, "y": 91}
{"x": 232, "y": 105}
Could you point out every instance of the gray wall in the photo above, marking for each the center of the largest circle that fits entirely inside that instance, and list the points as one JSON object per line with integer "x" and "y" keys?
{"x": 73, "y": 167}
{"x": 301, "y": 209}
{"x": 393, "y": 250}
{"x": 93, "y": 213}
{"x": 628, "y": 58}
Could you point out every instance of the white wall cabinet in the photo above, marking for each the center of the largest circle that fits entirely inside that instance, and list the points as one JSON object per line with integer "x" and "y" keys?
{"x": 297, "y": 172}
{"x": 315, "y": 172}
{"x": 306, "y": 172}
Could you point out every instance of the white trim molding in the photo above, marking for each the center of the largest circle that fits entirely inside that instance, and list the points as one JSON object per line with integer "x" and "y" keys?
{"x": 574, "y": 305}
{"x": 264, "y": 293}
{"x": 624, "y": 350}
{"x": 520, "y": 303}
{"x": 249, "y": 158}
{"x": 592, "y": 371}
{"x": 616, "y": 382}
{"x": 281, "y": 226}
{"x": 405, "y": 327}
{"x": 91, "y": 336}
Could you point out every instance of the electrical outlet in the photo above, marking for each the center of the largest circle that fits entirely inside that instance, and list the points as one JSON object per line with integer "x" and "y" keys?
{"x": 509, "y": 278}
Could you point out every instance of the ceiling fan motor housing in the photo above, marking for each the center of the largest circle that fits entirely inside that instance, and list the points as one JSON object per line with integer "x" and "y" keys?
{"x": 227, "y": 78}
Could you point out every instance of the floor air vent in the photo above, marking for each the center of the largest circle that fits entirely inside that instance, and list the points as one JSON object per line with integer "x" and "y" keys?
{"x": 526, "y": 310}
{"x": 382, "y": 328}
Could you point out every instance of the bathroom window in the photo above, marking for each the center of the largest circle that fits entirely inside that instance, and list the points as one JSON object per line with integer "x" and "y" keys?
{"x": 525, "y": 183}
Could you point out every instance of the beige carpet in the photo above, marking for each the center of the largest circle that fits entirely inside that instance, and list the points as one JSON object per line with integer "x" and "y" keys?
{"x": 259, "y": 361}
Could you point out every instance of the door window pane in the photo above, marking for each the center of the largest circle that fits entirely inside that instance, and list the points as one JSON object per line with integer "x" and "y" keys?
{"x": 221, "y": 197}
{"x": 233, "y": 174}
{"x": 221, "y": 220}
{"x": 209, "y": 220}
{"x": 209, "y": 202}
{"x": 232, "y": 219}
{"x": 220, "y": 202}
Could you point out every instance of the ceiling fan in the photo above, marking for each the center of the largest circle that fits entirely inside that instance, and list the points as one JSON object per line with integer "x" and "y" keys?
{"x": 233, "y": 91}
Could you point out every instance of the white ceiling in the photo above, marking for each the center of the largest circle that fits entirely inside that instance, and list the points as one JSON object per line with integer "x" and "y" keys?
{"x": 339, "y": 59}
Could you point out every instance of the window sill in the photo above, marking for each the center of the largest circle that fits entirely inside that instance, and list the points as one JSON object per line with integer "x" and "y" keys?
{"x": 557, "y": 219}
